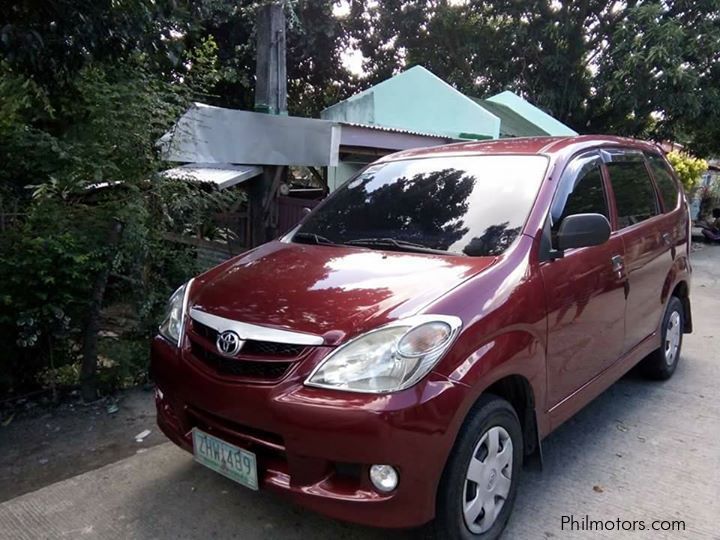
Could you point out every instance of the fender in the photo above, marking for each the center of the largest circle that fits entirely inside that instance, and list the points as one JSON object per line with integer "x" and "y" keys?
{"x": 679, "y": 273}
{"x": 516, "y": 352}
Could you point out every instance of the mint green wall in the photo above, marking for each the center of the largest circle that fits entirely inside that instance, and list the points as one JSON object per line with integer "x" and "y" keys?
{"x": 343, "y": 171}
{"x": 531, "y": 113}
{"x": 417, "y": 100}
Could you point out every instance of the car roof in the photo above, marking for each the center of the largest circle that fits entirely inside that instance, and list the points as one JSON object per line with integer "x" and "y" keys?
{"x": 547, "y": 146}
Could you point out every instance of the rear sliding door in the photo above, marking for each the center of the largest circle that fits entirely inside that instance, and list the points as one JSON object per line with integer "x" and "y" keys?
{"x": 647, "y": 242}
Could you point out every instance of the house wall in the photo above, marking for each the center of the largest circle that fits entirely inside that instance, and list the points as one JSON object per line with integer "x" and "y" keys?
{"x": 531, "y": 113}
{"x": 359, "y": 109}
{"x": 344, "y": 171}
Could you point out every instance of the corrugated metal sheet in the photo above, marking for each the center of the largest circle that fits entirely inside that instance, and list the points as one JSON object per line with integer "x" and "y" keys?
{"x": 223, "y": 175}
{"x": 392, "y": 130}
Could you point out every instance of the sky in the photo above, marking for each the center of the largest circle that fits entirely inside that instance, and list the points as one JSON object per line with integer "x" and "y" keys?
{"x": 352, "y": 58}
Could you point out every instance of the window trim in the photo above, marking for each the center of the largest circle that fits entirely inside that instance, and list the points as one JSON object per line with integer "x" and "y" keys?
{"x": 546, "y": 240}
{"x": 591, "y": 156}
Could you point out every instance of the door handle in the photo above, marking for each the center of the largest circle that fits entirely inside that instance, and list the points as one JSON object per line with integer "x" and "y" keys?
{"x": 666, "y": 238}
{"x": 618, "y": 265}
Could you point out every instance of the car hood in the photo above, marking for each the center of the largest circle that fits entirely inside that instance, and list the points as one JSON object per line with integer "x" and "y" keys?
{"x": 332, "y": 291}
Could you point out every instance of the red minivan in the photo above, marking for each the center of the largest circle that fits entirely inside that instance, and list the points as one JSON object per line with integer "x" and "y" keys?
{"x": 397, "y": 356}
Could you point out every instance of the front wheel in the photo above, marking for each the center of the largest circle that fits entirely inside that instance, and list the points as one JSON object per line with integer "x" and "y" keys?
{"x": 479, "y": 485}
{"x": 661, "y": 363}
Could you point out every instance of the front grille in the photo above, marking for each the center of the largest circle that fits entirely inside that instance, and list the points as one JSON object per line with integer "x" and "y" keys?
{"x": 242, "y": 368}
{"x": 252, "y": 347}
{"x": 269, "y": 348}
{"x": 204, "y": 331}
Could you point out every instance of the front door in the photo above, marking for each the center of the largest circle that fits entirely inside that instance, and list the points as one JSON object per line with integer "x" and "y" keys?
{"x": 585, "y": 289}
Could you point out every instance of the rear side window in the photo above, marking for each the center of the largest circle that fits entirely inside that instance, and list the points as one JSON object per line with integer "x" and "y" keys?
{"x": 665, "y": 182}
{"x": 634, "y": 193}
{"x": 581, "y": 191}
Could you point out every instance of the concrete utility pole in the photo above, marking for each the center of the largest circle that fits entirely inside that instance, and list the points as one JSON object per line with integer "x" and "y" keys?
{"x": 271, "y": 98}
{"x": 271, "y": 85}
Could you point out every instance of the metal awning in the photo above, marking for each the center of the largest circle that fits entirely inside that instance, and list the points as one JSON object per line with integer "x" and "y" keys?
{"x": 223, "y": 175}
{"x": 206, "y": 134}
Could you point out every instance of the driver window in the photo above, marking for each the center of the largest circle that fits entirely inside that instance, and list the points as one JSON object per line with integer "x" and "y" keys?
{"x": 581, "y": 191}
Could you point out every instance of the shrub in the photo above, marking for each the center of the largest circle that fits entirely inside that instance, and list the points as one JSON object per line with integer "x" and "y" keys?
{"x": 690, "y": 169}
{"x": 43, "y": 295}
{"x": 101, "y": 131}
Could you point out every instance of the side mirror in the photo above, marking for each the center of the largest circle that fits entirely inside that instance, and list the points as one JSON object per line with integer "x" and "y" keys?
{"x": 582, "y": 230}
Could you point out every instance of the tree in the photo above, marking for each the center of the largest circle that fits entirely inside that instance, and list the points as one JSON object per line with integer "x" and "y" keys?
{"x": 315, "y": 38}
{"x": 85, "y": 91}
{"x": 637, "y": 68}
{"x": 53, "y": 40}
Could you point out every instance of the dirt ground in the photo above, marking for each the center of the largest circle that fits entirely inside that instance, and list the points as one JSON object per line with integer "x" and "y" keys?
{"x": 41, "y": 446}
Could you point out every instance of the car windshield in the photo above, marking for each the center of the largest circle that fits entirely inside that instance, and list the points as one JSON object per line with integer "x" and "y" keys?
{"x": 469, "y": 205}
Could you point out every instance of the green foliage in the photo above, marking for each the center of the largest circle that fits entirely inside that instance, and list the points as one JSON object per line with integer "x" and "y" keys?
{"x": 688, "y": 168}
{"x": 643, "y": 68}
{"x": 53, "y": 40}
{"x": 189, "y": 208}
{"x": 43, "y": 292}
{"x": 223, "y": 31}
{"x": 203, "y": 66}
{"x": 79, "y": 153}
{"x": 87, "y": 87}
{"x": 123, "y": 362}
{"x": 65, "y": 376}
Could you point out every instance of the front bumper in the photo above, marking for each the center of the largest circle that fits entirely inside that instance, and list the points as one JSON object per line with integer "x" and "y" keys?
{"x": 316, "y": 446}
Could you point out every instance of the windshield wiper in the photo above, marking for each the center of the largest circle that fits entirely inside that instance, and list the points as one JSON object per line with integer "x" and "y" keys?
{"x": 312, "y": 238}
{"x": 400, "y": 245}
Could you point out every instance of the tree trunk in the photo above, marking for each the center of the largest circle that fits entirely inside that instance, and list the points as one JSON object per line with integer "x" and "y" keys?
{"x": 88, "y": 369}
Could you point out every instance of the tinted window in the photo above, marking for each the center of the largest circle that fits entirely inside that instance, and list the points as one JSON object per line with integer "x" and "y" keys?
{"x": 664, "y": 180}
{"x": 634, "y": 193}
{"x": 472, "y": 205}
{"x": 581, "y": 191}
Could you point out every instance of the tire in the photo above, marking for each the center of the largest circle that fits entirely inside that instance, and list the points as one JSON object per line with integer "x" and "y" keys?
{"x": 661, "y": 363}
{"x": 489, "y": 417}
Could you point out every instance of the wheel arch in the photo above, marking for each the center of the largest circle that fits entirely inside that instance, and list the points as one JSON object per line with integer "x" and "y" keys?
{"x": 677, "y": 283}
{"x": 682, "y": 292}
{"x": 517, "y": 390}
{"x": 506, "y": 360}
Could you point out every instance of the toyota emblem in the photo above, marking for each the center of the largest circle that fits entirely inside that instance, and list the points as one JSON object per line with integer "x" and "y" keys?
{"x": 229, "y": 343}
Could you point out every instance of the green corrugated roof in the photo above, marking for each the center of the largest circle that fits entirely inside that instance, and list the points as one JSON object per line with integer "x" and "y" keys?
{"x": 511, "y": 123}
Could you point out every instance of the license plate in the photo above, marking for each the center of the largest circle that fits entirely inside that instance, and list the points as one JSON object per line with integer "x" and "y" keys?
{"x": 225, "y": 458}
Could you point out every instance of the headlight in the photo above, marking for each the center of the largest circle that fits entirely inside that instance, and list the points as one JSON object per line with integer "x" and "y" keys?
{"x": 391, "y": 358}
{"x": 174, "y": 322}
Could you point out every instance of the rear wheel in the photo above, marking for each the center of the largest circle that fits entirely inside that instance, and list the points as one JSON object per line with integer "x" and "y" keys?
{"x": 479, "y": 485}
{"x": 661, "y": 363}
